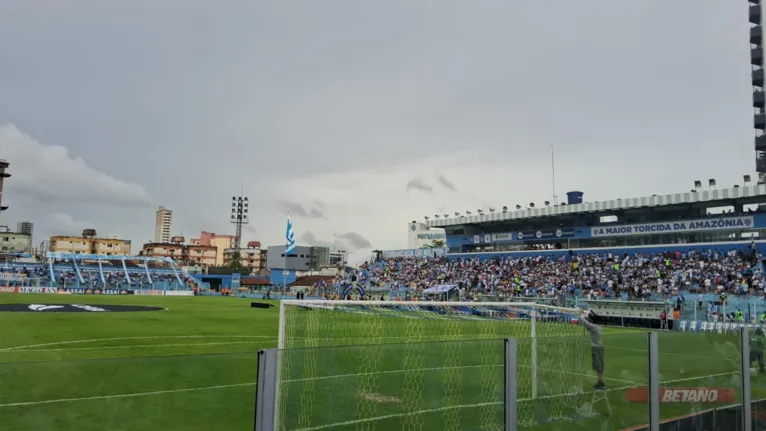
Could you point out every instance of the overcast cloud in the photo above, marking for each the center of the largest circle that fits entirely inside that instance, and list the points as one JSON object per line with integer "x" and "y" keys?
{"x": 447, "y": 184}
{"x": 419, "y": 185}
{"x": 351, "y": 110}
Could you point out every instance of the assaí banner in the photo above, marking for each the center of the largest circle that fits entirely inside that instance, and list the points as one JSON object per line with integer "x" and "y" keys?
{"x": 89, "y": 291}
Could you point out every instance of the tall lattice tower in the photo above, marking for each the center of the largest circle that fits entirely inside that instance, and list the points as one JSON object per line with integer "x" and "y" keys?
{"x": 239, "y": 217}
{"x": 757, "y": 80}
{"x": 3, "y": 175}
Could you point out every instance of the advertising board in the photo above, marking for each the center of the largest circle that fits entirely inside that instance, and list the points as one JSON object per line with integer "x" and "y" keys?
{"x": 683, "y": 395}
{"x": 179, "y": 293}
{"x": 713, "y": 223}
{"x": 92, "y": 291}
{"x": 149, "y": 292}
{"x": 415, "y": 252}
{"x": 37, "y": 290}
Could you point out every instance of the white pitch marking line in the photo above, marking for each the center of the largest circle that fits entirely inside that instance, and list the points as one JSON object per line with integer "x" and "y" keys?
{"x": 633, "y": 349}
{"x": 138, "y": 346}
{"x": 94, "y": 340}
{"x": 334, "y": 376}
{"x": 139, "y": 394}
{"x": 59, "y": 343}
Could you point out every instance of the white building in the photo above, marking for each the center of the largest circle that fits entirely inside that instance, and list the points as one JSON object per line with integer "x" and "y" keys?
{"x": 419, "y": 235}
{"x": 14, "y": 242}
{"x": 162, "y": 225}
{"x": 45, "y": 246}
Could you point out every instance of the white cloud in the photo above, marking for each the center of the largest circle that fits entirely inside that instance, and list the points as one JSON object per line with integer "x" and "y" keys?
{"x": 376, "y": 204}
{"x": 380, "y": 111}
{"x": 355, "y": 240}
{"x": 65, "y": 224}
{"x": 50, "y": 174}
{"x": 308, "y": 238}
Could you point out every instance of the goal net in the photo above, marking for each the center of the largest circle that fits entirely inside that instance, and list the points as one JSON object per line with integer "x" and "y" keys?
{"x": 424, "y": 365}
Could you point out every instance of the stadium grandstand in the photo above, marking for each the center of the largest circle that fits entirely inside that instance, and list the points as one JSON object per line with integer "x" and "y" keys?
{"x": 698, "y": 216}
{"x": 688, "y": 248}
{"x": 76, "y": 272}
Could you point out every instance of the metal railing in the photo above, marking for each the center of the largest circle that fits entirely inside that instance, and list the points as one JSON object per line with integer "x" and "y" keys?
{"x": 650, "y": 378}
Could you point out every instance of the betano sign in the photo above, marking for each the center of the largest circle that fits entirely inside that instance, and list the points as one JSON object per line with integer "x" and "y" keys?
{"x": 683, "y": 395}
{"x": 713, "y": 223}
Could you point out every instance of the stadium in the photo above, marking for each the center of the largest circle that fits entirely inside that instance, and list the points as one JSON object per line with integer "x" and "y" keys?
{"x": 636, "y": 313}
{"x": 423, "y": 341}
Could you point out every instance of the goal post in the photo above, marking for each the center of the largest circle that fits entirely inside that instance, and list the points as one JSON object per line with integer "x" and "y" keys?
{"x": 425, "y": 344}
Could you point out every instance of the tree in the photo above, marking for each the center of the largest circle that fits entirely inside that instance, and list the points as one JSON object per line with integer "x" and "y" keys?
{"x": 235, "y": 264}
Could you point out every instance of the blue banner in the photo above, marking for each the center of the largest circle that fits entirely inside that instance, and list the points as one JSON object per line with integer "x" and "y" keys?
{"x": 236, "y": 279}
{"x": 707, "y": 224}
{"x": 415, "y": 252}
{"x": 351, "y": 288}
{"x": 527, "y": 235}
{"x": 531, "y": 235}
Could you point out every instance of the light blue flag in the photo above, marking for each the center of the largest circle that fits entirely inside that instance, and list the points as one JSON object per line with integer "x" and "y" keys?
{"x": 289, "y": 236}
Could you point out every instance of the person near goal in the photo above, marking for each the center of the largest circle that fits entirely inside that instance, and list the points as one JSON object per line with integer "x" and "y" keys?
{"x": 596, "y": 348}
{"x": 756, "y": 348}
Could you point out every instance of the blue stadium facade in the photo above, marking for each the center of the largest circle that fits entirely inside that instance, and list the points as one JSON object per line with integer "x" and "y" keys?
{"x": 679, "y": 221}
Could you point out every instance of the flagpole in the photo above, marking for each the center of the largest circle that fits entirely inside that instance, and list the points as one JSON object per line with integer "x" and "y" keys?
{"x": 553, "y": 177}
{"x": 289, "y": 246}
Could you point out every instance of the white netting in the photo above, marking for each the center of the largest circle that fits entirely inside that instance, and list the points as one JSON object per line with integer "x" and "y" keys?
{"x": 424, "y": 365}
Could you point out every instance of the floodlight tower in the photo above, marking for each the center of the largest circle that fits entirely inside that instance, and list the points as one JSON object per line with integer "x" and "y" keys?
{"x": 3, "y": 175}
{"x": 239, "y": 217}
{"x": 757, "y": 81}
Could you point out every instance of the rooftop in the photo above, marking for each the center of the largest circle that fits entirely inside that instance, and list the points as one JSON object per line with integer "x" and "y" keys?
{"x": 745, "y": 195}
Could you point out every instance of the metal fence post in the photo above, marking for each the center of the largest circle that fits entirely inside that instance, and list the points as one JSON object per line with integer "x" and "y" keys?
{"x": 510, "y": 388}
{"x": 654, "y": 383}
{"x": 266, "y": 391}
{"x": 744, "y": 344}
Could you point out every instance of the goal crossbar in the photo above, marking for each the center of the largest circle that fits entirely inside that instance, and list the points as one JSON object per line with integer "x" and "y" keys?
{"x": 424, "y": 303}
{"x": 340, "y": 303}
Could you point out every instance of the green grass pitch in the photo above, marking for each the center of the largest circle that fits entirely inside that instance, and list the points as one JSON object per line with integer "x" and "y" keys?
{"x": 193, "y": 367}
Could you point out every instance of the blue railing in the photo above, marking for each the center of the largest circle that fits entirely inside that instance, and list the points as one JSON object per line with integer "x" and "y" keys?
{"x": 94, "y": 284}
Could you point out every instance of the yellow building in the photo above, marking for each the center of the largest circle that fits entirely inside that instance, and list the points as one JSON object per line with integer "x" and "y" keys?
{"x": 90, "y": 245}
{"x": 220, "y": 242}
{"x": 202, "y": 255}
{"x": 252, "y": 257}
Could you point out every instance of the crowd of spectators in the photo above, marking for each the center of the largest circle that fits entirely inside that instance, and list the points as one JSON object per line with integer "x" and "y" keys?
{"x": 592, "y": 275}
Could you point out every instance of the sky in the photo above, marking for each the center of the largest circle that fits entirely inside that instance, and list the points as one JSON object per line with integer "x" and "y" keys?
{"x": 359, "y": 117}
